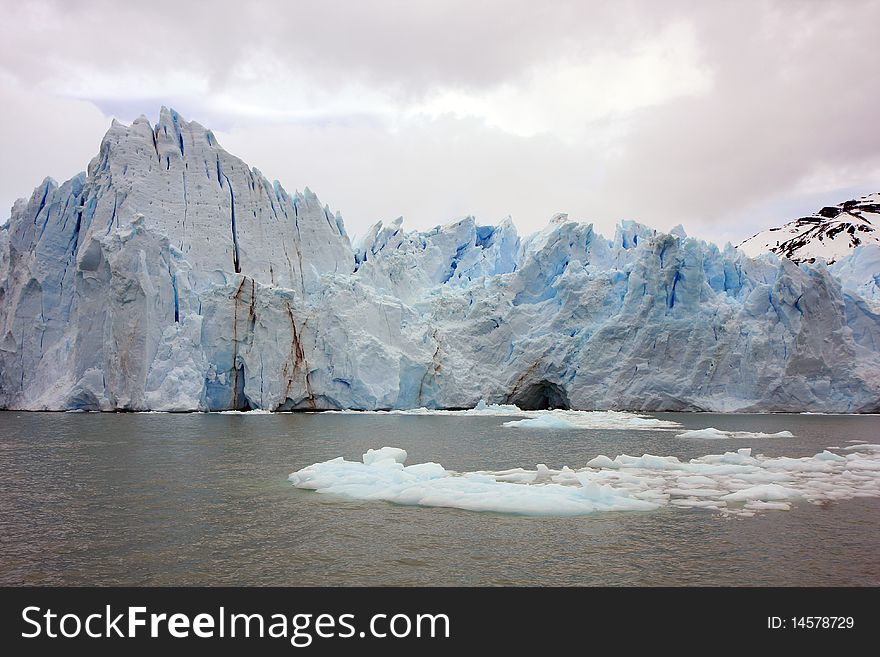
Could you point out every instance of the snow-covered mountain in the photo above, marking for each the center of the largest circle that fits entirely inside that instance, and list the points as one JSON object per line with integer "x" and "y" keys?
{"x": 171, "y": 276}
{"x": 832, "y": 233}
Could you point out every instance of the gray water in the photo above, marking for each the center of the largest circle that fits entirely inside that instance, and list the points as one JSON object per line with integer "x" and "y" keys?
{"x": 159, "y": 499}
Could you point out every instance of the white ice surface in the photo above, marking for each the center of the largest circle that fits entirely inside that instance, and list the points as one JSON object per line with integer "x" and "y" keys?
{"x": 256, "y": 411}
{"x": 482, "y": 408}
{"x": 389, "y": 454}
{"x": 553, "y": 419}
{"x": 711, "y": 433}
{"x": 542, "y": 422}
{"x": 736, "y": 483}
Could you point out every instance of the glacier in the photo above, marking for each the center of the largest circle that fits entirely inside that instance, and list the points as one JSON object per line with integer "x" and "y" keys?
{"x": 171, "y": 276}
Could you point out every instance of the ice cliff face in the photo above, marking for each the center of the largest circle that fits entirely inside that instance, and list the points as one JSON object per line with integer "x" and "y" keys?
{"x": 173, "y": 277}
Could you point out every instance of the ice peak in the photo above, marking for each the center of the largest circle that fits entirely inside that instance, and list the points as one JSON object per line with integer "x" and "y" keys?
{"x": 168, "y": 115}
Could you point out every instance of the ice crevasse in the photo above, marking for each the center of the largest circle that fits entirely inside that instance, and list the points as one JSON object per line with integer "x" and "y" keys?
{"x": 172, "y": 276}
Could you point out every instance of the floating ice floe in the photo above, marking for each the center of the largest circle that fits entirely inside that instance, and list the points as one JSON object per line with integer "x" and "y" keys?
{"x": 862, "y": 446}
{"x": 482, "y": 408}
{"x": 544, "y": 419}
{"x": 711, "y": 433}
{"x": 542, "y": 422}
{"x": 256, "y": 411}
{"x": 737, "y": 483}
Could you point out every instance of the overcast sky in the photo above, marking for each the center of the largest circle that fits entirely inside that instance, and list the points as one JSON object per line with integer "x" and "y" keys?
{"x": 727, "y": 117}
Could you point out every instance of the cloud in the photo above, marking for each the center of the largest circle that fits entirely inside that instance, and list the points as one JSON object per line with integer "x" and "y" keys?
{"x": 43, "y": 137}
{"x": 402, "y": 46}
{"x": 428, "y": 171}
{"x": 721, "y": 116}
{"x": 565, "y": 97}
{"x": 793, "y": 103}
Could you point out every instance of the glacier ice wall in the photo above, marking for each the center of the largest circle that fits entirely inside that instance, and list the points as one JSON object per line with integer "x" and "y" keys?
{"x": 171, "y": 276}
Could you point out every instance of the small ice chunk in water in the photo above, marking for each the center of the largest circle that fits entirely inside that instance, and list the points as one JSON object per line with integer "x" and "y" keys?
{"x": 862, "y": 447}
{"x": 542, "y": 422}
{"x": 829, "y": 456}
{"x": 762, "y": 492}
{"x": 602, "y": 461}
{"x": 711, "y": 433}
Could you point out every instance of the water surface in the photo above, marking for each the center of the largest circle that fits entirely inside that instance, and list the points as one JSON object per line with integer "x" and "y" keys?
{"x": 164, "y": 499}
